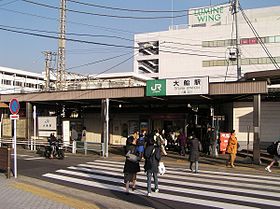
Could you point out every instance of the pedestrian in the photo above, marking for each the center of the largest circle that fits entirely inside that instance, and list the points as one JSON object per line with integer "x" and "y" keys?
{"x": 84, "y": 134}
{"x": 152, "y": 155}
{"x": 232, "y": 149}
{"x": 140, "y": 143}
{"x": 74, "y": 134}
{"x": 160, "y": 142}
{"x": 194, "y": 146}
{"x": 182, "y": 142}
{"x": 131, "y": 167}
{"x": 275, "y": 151}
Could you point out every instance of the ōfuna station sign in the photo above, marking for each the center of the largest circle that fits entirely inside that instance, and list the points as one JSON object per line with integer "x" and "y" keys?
{"x": 207, "y": 16}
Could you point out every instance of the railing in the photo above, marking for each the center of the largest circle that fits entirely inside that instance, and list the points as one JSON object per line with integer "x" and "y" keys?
{"x": 88, "y": 146}
{"x": 35, "y": 144}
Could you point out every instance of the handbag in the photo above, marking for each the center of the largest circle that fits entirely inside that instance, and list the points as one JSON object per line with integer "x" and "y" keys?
{"x": 161, "y": 168}
{"x": 132, "y": 157}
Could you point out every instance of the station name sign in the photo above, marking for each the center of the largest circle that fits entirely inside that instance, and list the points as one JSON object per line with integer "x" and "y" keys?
{"x": 178, "y": 86}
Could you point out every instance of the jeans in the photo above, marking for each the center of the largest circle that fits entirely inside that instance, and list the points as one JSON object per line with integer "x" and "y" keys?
{"x": 149, "y": 181}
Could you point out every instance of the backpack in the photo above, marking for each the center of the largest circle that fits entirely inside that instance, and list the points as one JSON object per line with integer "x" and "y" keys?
{"x": 274, "y": 148}
{"x": 141, "y": 141}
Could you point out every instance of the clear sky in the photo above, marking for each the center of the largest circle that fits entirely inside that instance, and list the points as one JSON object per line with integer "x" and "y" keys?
{"x": 21, "y": 51}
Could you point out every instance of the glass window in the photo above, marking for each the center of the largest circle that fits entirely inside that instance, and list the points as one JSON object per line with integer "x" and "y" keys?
{"x": 205, "y": 63}
{"x": 271, "y": 39}
{"x": 245, "y": 62}
{"x": 220, "y": 63}
{"x": 277, "y": 59}
{"x": 221, "y": 43}
{"x": 277, "y": 39}
{"x": 254, "y": 61}
{"x": 205, "y": 43}
{"x": 211, "y": 43}
{"x": 262, "y": 60}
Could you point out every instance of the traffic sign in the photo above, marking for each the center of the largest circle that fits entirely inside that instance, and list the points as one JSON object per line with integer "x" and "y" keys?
{"x": 14, "y": 106}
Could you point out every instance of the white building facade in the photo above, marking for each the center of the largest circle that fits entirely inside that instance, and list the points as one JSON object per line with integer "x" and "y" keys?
{"x": 206, "y": 46}
{"x": 203, "y": 49}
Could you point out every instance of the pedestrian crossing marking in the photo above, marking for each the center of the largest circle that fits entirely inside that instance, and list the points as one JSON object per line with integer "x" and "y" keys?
{"x": 177, "y": 182}
{"x": 143, "y": 192}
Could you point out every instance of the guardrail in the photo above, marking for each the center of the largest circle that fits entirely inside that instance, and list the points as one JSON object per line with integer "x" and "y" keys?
{"x": 88, "y": 146}
{"x": 76, "y": 145}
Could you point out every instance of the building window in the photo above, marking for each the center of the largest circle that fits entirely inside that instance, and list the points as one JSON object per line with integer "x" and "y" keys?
{"x": 6, "y": 82}
{"x": 246, "y": 61}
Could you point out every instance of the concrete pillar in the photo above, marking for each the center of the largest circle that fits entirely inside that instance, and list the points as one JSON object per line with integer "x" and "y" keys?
{"x": 29, "y": 120}
{"x": 257, "y": 127}
{"x": 105, "y": 125}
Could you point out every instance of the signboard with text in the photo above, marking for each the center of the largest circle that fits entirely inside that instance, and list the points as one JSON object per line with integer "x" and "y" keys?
{"x": 207, "y": 16}
{"x": 156, "y": 87}
{"x": 187, "y": 86}
{"x": 178, "y": 86}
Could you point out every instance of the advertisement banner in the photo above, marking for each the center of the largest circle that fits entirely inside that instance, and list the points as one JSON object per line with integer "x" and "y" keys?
{"x": 224, "y": 137}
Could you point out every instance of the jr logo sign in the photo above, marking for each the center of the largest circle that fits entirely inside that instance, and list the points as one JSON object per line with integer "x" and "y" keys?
{"x": 156, "y": 88}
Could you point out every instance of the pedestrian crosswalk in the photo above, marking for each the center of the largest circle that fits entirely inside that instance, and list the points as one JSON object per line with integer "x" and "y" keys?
{"x": 206, "y": 188}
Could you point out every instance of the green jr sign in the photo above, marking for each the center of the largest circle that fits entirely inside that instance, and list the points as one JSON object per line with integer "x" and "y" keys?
{"x": 156, "y": 87}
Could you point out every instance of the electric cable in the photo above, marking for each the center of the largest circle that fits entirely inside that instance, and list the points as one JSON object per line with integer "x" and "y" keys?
{"x": 97, "y": 61}
{"x": 68, "y": 34}
{"x": 104, "y": 15}
{"x": 114, "y": 66}
{"x": 110, "y": 29}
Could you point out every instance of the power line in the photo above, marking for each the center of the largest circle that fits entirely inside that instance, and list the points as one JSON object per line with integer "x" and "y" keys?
{"x": 69, "y": 34}
{"x": 97, "y": 61}
{"x": 7, "y": 3}
{"x": 98, "y": 43}
{"x": 114, "y": 66}
{"x": 193, "y": 54}
{"x": 68, "y": 39}
{"x": 110, "y": 29}
{"x": 193, "y": 50}
{"x": 105, "y": 15}
{"x": 125, "y": 9}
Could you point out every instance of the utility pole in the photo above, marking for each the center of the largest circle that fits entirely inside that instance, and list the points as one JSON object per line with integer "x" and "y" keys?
{"x": 48, "y": 59}
{"x": 234, "y": 6}
{"x": 61, "y": 75}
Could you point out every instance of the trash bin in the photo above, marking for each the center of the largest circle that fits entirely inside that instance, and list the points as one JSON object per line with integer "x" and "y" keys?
{"x": 5, "y": 160}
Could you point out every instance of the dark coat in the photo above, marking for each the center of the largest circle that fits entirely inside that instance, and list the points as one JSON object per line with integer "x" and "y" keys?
{"x": 131, "y": 167}
{"x": 152, "y": 157}
{"x": 194, "y": 150}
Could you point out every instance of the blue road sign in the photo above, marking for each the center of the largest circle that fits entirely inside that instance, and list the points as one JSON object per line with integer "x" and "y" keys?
{"x": 14, "y": 106}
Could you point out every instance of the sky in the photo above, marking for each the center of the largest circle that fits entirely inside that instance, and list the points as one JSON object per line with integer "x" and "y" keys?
{"x": 109, "y": 39}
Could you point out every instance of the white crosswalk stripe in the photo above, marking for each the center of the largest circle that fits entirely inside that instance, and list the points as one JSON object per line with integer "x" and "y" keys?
{"x": 207, "y": 188}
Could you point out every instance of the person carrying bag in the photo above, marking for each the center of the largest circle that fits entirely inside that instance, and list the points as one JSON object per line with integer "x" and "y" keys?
{"x": 152, "y": 155}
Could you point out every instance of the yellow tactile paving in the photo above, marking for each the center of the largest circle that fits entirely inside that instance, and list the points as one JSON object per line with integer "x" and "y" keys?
{"x": 70, "y": 201}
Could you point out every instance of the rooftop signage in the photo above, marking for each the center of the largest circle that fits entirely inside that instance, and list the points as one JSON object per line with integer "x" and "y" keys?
{"x": 178, "y": 86}
{"x": 207, "y": 16}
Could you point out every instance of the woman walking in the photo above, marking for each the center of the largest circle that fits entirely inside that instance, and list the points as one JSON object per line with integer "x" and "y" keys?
{"x": 131, "y": 166}
{"x": 232, "y": 149}
{"x": 194, "y": 145}
{"x": 152, "y": 157}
